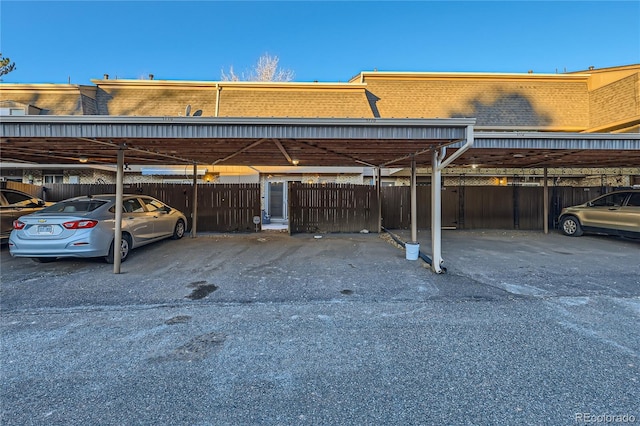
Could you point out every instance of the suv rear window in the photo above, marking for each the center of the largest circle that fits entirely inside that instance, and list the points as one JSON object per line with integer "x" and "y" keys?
{"x": 78, "y": 206}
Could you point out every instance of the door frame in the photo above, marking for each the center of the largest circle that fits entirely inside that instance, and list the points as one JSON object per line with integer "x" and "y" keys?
{"x": 285, "y": 198}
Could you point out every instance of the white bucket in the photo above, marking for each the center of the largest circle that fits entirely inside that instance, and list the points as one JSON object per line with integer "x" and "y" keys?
{"x": 412, "y": 250}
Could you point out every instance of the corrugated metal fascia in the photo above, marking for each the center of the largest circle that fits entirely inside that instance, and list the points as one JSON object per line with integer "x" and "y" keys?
{"x": 442, "y": 122}
{"x": 187, "y": 128}
{"x": 533, "y": 140}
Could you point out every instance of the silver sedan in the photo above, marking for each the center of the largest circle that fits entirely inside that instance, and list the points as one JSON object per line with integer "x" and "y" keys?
{"x": 85, "y": 227}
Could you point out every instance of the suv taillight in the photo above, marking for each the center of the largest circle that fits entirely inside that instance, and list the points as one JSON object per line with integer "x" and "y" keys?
{"x": 18, "y": 225}
{"x": 80, "y": 224}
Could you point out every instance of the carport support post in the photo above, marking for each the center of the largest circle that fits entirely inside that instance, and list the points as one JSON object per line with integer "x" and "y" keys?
{"x": 414, "y": 202}
{"x": 438, "y": 163}
{"x": 436, "y": 212}
{"x": 194, "y": 209}
{"x": 545, "y": 201}
{"x": 379, "y": 194}
{"x": 117, "y": 238}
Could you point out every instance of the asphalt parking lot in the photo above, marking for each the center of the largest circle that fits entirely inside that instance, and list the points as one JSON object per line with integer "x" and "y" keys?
{"x": 267, "y": 328}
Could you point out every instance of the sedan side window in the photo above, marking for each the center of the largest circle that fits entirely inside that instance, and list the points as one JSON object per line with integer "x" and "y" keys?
{"x": 18, "y": 199}
{"x": 154, "y": 205}
{"x": 132, "y": 205}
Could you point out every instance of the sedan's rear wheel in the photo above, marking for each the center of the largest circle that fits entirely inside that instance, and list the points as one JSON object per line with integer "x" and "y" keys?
{"x": 570, "y": 226}
{"x": 125, "y": 247}
{"x": 178, "y": 231}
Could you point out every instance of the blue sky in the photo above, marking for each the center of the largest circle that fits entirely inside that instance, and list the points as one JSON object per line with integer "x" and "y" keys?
{"x": 76, "y": 41}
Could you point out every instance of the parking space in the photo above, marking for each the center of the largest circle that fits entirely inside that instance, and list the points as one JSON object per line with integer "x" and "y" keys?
{"x": 273, "y": 266}
{"x": 277, "y": 329}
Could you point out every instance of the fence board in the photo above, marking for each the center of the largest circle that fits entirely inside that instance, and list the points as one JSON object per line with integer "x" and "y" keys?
{"x": 332, "y": 208}
{"x": 396, "y": 207}
{"x": 530, "y": 207}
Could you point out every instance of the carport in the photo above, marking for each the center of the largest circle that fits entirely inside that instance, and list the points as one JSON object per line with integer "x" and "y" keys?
{"x": 377, "y": 143}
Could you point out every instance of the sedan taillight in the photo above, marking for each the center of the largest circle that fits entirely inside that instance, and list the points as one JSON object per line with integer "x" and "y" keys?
{"x": 80, "y": 224}
{"x": 18, "y": 225}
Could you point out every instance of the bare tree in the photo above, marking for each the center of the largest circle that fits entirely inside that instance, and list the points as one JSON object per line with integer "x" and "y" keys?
{"x": 265, "y": 70}
{"x": 6, "y": 66}
{"x": 232, "y": 76}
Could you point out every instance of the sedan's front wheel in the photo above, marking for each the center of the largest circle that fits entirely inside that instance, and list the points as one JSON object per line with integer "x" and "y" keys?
{"x": 571, "y": 226}
{"x": 178, "y": 231}
{"x": 125, "y": 247}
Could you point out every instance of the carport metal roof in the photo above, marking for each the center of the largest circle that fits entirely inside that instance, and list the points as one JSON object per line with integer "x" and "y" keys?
{"x": 310, "y": 142}
{"x": 225, "y": 141}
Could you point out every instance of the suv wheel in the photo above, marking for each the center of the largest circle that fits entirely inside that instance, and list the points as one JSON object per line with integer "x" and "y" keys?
{"x": 570, "y": 226}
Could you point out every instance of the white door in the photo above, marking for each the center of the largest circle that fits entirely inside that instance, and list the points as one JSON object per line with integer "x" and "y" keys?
{"x": 277, "y": 200}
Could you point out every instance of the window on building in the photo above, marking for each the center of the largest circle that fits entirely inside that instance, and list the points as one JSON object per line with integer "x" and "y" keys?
{"x": 12, "y": 111}
{"x": 53, "y": 178}
{"x": 423, "y": 180}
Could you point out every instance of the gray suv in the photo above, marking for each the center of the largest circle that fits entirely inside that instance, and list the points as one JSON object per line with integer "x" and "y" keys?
{"x": 615, "y": 213}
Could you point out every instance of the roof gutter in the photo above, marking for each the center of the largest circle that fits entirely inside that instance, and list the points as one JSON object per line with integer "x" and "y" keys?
{"x": 218, "y": 89}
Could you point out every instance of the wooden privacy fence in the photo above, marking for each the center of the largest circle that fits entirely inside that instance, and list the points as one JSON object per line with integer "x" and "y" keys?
{"x": 34, "y": 190}
{"x": 228, "y": 207}
{"x": 396, "y": 207}
{"x": 332, "y": 208}
{"x": 221, "y": 207}
{"x": 482, "y": 207}
{"x": 346, "y": 207}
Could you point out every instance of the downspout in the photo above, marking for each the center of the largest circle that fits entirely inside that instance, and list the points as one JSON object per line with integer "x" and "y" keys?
{"x": 218, "y": 89}
{"x": 436, "y": 198}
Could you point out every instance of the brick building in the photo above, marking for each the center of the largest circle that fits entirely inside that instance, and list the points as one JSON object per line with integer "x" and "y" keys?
{"x": 594, "y": 100}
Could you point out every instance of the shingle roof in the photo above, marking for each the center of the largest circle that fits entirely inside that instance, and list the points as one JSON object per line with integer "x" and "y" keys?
{"x": 51, "y": 99}
{"x": 232, "y": 99}
{"x": 543, "y": 104}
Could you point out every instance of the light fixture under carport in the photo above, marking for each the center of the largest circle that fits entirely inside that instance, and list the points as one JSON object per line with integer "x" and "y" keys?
{"x": 286, "y": 154}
